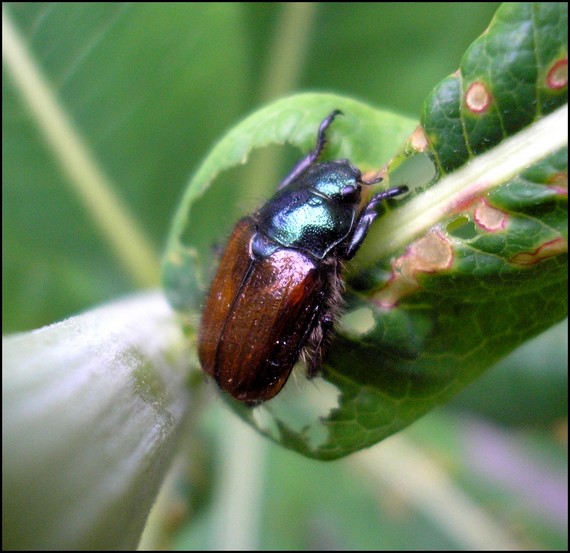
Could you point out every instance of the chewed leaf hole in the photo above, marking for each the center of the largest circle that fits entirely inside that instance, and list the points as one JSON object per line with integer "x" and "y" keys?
{"x": 462, "y": 227}
{"x": 358, "y": 322}
{"x": 557, "y": 77}
{"x": 417, "y": 171}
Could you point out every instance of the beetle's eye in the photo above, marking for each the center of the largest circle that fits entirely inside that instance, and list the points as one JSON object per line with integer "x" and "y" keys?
{"x": 350, "y": 193}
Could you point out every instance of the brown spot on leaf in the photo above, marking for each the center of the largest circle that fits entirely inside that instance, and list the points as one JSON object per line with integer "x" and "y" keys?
{"x": 478, "y": 98}
{"x": 419, "y": 140}
{"x": 559, "y": 183}
{"x": 548, "y": 249}
{"x": 429, "y": 254}
{"x": 489, "y": 218}
{"x": 470, "y": 194}
{"x": 370, "y": 176}
{"x": 557, "y": 77}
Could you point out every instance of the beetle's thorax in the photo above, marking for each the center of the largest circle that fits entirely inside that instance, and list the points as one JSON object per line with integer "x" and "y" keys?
{"x": 311, "y": 213}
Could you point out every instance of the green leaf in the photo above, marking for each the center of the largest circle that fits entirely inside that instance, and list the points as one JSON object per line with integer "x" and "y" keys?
{"x": 471, "y": 267}
{"x": 515, "y": 73}
{"x": 490, "y": 271}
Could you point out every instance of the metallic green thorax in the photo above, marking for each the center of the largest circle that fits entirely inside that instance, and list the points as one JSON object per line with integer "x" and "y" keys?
{"x": 312, "y": 213}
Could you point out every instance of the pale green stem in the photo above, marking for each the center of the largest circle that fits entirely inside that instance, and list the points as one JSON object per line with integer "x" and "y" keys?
{"x": 288, "y": 52}
{"x": 400, "y": 466}
{"x": 283, "y": 70}
{"x": 88, "y": 180}
{"x": 482, "y": 174}
{"x": 239, "y": 487}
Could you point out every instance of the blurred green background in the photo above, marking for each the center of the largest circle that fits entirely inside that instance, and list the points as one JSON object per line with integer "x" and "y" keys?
{"x": 149, "y": 88}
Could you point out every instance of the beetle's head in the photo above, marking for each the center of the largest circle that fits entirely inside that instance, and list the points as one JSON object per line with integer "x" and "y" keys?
{"x": 338, "y": 180}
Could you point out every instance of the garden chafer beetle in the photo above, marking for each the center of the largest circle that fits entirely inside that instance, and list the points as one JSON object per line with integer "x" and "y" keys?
{"x": 278, "y": 288}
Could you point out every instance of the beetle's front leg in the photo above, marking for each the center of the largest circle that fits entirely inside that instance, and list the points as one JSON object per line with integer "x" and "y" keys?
{"x": 366, "y": 219}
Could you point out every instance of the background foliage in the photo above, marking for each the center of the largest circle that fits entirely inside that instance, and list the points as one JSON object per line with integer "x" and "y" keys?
{"x": 150, "y": 87}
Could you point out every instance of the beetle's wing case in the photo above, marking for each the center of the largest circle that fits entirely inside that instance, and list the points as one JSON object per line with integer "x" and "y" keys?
{"x": 223, "y": 290}
{"x": 258, "y": 316}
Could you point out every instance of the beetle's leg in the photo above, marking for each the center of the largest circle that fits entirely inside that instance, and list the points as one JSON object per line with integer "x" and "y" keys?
{"x": 320, "y": 342}
{"x": 313, "y": 337}
{"x": 367, "y": 217}
{"x": 314, "y": 154}
{"x": 325, "y": 317}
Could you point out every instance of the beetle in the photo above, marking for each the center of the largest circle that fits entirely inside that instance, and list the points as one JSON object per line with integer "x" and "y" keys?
{"x": 278, "y": 288}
